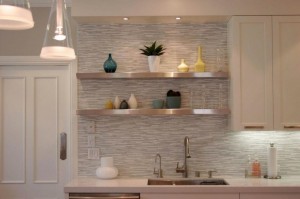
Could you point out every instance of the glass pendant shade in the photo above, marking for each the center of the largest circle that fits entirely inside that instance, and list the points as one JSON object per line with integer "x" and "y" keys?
{"x": 58, "y": 41}
{"x": 15, "y": 15}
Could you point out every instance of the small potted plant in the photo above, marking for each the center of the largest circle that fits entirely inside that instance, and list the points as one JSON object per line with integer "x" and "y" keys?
{"x": 153, "y": 52}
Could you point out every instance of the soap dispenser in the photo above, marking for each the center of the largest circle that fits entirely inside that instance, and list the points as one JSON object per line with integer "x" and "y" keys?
{"x": 256, "y": 170}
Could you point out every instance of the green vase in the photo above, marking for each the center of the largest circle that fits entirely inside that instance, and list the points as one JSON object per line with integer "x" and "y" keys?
{"x": 110, "y": 66}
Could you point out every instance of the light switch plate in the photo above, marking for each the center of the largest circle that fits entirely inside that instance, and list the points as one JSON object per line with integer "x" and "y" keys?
{"x": 91, "y": 141}
{"x": 93, "y": 153}
{"x": 91, "y": 127}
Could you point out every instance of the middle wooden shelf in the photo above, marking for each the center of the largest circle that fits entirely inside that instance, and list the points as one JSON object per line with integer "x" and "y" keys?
{"x": 181, "y": 111}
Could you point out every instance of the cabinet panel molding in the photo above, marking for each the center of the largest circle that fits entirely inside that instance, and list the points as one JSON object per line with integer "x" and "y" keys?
{"x": 12, "y": 129}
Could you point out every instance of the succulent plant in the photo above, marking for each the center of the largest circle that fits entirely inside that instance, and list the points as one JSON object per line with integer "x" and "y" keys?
{"x": 153, "y": 50}
{"x": 173, "y": 93}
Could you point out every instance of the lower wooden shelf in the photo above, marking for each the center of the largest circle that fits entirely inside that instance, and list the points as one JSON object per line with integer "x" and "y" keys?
{"x": 181, "y": 111}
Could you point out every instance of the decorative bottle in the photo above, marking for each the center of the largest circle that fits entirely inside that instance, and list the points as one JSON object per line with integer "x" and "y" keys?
{"x": 200, "y": 65}
{"x": 124, "y": 105}
{"x": 117, "y": 103}
{"x": 132, "y": 102}
{"x": 182, "y": 67}
{"x": 110, "y": 66}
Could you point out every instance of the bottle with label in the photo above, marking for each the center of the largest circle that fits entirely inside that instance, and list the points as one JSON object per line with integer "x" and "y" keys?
{"x": 256, "y": 170}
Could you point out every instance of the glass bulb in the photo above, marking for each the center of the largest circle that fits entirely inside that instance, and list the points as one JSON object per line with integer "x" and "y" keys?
{"x": 59, "y": 35}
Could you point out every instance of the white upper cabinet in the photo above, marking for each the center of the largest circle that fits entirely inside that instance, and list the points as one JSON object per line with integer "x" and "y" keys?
{"x": 264, "y": 70}
{"x": 250, "y": 60}
{"x": 286, "y": 72}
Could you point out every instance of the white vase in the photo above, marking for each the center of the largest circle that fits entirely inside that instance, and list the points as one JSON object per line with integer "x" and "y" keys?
{"x": 132, "y": 102}
{"x": 117, "y": 103}
{"x": 107, "y": 170}
{"x": 153, "y": 62}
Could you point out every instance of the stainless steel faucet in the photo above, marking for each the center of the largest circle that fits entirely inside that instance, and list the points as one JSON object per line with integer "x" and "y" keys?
{"x": 184, "y": 168}
{"x": 159, "y": 172}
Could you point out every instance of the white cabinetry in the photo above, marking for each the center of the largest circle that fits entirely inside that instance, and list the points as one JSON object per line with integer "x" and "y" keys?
{"x": 191, "y": 196}
{"x": 264, "y": 65}
{"x": 250, "y": 63}
{"x": 269, "y": 195}
{"x": 286, "y": 71}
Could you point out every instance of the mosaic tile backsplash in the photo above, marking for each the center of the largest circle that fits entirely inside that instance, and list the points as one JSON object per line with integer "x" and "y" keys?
{"x": 133, "y": 141}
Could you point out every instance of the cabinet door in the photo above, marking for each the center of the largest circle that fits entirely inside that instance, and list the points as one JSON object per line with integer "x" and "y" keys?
{"x": 250, "y": 58}
{"x": 191, "y": 196}
{"x": 286, "y": 66}
{"x": 269, "y": 196}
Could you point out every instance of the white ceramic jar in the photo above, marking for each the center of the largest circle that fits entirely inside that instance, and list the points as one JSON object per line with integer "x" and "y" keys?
{"x": 107, "y": 170}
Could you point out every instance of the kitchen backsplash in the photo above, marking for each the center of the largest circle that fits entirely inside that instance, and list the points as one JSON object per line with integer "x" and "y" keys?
{"x": 133, "y": 141}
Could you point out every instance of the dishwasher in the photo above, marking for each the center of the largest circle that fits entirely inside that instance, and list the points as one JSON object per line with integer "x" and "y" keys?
{"x": 104, "y": 196}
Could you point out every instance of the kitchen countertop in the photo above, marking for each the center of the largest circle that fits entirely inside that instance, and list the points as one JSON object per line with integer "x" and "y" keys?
{"x": 242, "y": 185}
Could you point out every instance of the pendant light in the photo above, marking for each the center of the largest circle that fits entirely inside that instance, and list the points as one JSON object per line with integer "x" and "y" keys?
{"x": 58, "y": 42}
{"x": 15, "y": 15}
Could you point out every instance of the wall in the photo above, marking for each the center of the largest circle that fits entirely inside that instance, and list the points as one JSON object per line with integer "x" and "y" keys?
{"x": 29, "y": 42}
{"x": 133, "y": 141}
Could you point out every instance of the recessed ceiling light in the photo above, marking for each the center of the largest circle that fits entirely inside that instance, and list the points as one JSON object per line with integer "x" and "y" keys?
{"x": 125, "y": 18}
{"x": 178, "y": 18}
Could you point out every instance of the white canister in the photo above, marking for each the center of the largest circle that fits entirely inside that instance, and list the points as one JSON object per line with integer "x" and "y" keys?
{"x": 107, "y": 170}
{"x": 272, "y": 161}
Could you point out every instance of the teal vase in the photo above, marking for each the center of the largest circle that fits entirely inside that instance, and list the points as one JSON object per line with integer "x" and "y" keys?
{"x": 110, "y": 66}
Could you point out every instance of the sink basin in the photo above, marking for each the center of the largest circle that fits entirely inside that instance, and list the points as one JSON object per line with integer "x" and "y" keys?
{"x": 200, "y": 181}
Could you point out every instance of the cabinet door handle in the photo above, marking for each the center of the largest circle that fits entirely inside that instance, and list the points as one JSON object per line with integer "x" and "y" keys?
{"x": 63, "y": 146}
{"x": 254, "y": 127}
{"x": 291, "y": 126}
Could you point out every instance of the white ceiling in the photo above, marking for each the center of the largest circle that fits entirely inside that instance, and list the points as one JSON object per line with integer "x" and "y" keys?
{"x": 45, "y": 3}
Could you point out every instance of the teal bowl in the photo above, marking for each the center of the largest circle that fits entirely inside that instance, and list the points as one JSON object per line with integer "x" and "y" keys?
{"x": 158, "y": 104}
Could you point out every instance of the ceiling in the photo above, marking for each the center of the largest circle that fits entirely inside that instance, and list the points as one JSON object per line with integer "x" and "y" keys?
{"x": 45, "y": 3}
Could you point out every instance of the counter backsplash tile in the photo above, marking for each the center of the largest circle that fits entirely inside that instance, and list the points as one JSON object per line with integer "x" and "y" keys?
{"x": 95, "y": 42}
{"x": 133, "y": 141}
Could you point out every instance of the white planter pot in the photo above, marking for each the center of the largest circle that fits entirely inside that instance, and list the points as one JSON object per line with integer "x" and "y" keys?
{"x": 153, "y": 62}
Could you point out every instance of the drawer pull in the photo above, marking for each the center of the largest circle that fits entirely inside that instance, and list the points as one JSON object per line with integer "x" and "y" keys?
{"x": 254, "y": 127}
{"x": 291, "y": 126}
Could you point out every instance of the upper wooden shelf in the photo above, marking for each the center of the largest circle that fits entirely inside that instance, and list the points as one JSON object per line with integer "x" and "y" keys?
{"x": 152, "y": 75}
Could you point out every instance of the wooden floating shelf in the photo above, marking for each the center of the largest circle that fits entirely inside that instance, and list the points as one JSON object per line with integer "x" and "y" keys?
{"x": 152, "y": 75}
{"x": 182, "y": 111}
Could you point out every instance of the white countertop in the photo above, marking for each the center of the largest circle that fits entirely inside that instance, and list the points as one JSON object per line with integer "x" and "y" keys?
{"x": 89, "y": 184}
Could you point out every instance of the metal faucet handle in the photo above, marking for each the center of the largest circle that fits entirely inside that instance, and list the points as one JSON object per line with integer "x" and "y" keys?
{"x": 210, "y": 173}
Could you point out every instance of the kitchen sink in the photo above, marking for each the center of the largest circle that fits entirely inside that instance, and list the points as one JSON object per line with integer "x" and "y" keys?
{"x": 201, "y": 181}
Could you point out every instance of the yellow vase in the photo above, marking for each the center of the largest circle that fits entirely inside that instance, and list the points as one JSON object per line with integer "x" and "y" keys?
{"x": 200, "y": 65}
{"x": 182, "y": 67}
